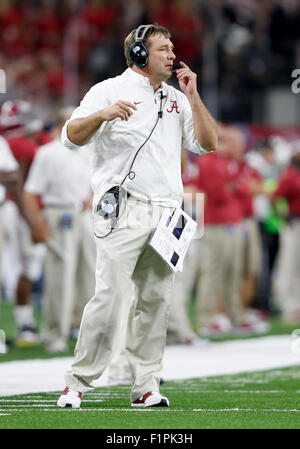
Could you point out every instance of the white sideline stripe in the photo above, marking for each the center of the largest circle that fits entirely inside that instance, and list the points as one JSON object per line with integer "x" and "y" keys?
{"x": 215, "y": 359}
{"x": 26, "y": 406}
{"x": 244, "y": 410}
{"x": 40, "y": 400}
{"x": 27, "y": 400}
{"x": 5, "y": 414}
{"x": 66, "y": 410}
{"x": 88, "y": 398}
{"x": 253, "y": 391}
{"x": 142, "y": 409}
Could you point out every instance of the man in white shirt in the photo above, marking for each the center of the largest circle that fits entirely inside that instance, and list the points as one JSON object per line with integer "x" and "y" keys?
{"x": 136, "y": 125}
{"x": 62, "y": 179}
{"x": 8, "y": 167}
{"x": 10, "y": 178}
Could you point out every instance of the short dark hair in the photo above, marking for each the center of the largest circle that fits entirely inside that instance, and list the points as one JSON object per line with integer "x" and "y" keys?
{"x": 152, "y": 30}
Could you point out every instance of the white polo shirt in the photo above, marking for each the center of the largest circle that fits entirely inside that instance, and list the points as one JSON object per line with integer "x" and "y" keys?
{"x": 62, "y": 177}
{"x": 7, "y": 163}
{"x": 157, "y": 166}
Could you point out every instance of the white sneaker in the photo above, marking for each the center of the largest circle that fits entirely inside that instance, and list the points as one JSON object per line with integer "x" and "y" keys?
{"x": 69, "y": 398}
{"x": 28, "y": 336}
{"x": 56, "y": 346}
{"x": 219, "y": 325}
{"x": 151, "y": 399}
{"x": 252, "y": 324}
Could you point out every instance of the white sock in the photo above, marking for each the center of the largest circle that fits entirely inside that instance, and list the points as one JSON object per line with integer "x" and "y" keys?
{"x": 24, "y": 315}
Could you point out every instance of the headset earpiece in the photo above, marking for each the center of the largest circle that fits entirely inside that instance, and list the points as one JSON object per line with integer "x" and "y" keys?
{"x": 138, "y": 51}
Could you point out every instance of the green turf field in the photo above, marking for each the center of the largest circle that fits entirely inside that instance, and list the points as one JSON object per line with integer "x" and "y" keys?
{"x": 261, "y": 400}
{"x": 7, "y": 323}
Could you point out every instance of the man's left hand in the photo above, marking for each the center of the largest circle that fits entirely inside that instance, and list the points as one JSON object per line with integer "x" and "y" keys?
{"x": 187, "y": 79}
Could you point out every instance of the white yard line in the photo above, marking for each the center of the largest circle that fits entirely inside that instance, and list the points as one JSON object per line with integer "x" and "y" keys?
{"x": 153, "y": 410}
{"x": 256, "y": 410}
{"x": 180, "y": 362}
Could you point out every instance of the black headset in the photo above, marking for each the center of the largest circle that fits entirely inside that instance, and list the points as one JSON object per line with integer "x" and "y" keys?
{"x": 138, "y": 51}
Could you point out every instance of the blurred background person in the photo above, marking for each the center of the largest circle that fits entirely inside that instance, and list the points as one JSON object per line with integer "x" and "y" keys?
{"x": 23, "y": 130}
{"x": 222, "y": 240}
{"x": 187, "y": 282}
{"x": 9, "y": 178}
{"x": 243, "y": 52}
{"x": 263, "y": 160}
{"x": 248, "y": 184}
{"x": 231, "y": 250}
{"x": 288, "y": 188}
{"x": 10, "y": 181}
{"x": 62, "y": 179}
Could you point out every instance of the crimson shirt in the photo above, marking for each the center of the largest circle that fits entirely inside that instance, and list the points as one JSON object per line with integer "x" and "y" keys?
{"x": 217, "y": 179}
{"x": 24, "y": 150}
{"x": 289, "y": 188}
{"x": 243, "y": 192}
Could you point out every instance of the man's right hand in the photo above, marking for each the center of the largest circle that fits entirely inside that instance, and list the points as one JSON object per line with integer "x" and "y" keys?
{"x": 80, "y": 130}
{"x": 121, "y": 109}
{"x": 40, "y": 233}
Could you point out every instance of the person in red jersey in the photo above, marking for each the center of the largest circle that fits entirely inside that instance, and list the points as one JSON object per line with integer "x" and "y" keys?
{"x": 23, "y": 131}
{"x": 289, "y": 267}
{"x": 248, "y": 184}
{"x": 180, "y": 330}
{"x": 219, "y": 179}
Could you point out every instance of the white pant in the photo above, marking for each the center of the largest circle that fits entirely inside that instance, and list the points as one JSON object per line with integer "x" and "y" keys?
{"x": 288, "y": 282}
{"x": 1, "y": 250}
{"x": 185, "y": 282}
{"x": 125, "y": 260}
{"x": 221, "y": 272}
{"x": 69, "y": 279}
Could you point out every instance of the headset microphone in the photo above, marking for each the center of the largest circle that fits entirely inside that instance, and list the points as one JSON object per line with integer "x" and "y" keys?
{"x": 162, "y": 97}
{"x": 176, "y": 67}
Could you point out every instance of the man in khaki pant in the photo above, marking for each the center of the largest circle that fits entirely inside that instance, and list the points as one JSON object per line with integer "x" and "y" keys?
{"x": 222, "y": 240}
{"x": 136, "y": 125}
{"x": 11, "y": 180}
{"x": 62, "y": 180}
{"x": 10, "y": 176}
{"x": 289, "y": 260}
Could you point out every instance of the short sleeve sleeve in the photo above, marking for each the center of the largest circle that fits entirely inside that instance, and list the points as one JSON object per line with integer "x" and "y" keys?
{"x": 96, "y": 98}
{"x": 7, "y": 159}
{"x": 189, "y": 140}
{"x": 37, "y": 179}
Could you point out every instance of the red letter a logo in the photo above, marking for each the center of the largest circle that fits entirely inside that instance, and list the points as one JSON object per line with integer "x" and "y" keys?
{"x": 173, "y": 106}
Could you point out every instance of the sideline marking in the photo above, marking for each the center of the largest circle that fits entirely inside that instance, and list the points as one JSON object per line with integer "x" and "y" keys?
{"x": 67, "y": 410}
{"x": 40, "y": 400}
{"x": 243, "y": 410}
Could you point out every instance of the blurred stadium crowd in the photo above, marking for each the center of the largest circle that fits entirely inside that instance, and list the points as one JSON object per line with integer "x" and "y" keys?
{"x": 245, "y": 267}
{"x": 53, "y": 50}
